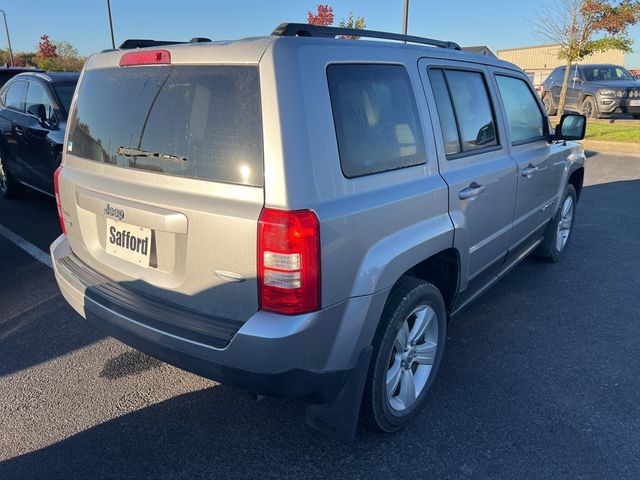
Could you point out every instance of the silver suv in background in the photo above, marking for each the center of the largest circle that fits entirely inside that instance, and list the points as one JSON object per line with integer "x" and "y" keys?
{"x": 595, "y": 90}
{"x": 299, "y": 215}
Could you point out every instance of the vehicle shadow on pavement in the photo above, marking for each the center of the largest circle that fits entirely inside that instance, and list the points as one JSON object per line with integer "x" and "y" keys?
{"x": 534, "y": 384}
{"x": 128, "y": 363}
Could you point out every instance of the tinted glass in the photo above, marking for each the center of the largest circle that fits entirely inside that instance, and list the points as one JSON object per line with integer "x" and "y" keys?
{"x": 64, "y": 91}
{"x": 603, "y": 73}
{"x": 192, "y": 121}
{"x": 5, "y": 77}
{"x": 523, "y": 113}
{"x": 376, "y": 118}
{"x": 445, "y": 112}
{"x": 15, "y": 96}
{"x": 36, "y": 95}
{"x": 473, "y": 110}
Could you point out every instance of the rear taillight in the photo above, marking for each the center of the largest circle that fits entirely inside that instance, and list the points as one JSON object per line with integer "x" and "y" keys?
{"x": 56, "y": 187}
{"x": 289, "y": 261}
{"x": 145, "y": 57}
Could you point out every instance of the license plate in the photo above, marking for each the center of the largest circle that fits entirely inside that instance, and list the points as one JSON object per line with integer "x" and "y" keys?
{"x": 634, "y": 103}
{"x": 129, "y": 242}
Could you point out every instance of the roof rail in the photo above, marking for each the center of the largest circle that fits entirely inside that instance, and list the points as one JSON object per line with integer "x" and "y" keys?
{"x": 308, "y": 30}
{"x": 142, "y": 43}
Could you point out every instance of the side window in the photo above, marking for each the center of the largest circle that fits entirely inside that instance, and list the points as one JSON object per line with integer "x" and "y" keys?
{"x": 15, "y": 96}
{"x": 376, "y": 118}
{"x": 471, "y": 103}
{"x": 36, "y": 95}
{"x": 445, "y": 112}
{"x": 525, "y": 119}
{"x": 462, "y": 95}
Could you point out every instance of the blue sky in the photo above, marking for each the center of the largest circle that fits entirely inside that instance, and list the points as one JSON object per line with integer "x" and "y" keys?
{"x": 496, "y": 23}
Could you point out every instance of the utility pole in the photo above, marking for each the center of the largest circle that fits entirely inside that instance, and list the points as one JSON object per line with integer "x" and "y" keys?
{"x": 405, "y": 20}
{"x": 6, "y": 27}
{"x": 113, "y": 42}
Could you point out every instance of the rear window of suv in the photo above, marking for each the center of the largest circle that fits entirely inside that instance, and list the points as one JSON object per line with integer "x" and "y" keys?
{"x": 376, "y": 118}
{"x": 200, "y": 122}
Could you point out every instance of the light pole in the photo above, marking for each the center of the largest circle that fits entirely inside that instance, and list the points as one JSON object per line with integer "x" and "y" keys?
{"x": 8, "y": 38}
{"x": 405, "y": 19}
{"x": 113, "y": 42}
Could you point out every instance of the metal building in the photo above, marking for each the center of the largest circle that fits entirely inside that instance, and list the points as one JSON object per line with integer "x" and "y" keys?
{"x": 538, "y": 61}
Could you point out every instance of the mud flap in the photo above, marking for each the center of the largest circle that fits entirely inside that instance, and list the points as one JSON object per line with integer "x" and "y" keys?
{"x": 339, "y": 418}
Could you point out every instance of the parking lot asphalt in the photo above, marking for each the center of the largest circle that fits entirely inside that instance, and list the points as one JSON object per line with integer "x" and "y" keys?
{"x": 540, "y": 377}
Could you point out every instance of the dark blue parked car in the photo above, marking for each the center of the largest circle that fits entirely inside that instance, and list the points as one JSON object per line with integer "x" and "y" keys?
{"x": 33, "y": 117}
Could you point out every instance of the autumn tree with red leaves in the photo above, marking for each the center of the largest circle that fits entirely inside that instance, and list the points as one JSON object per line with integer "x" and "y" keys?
{"x": 323, "y": 16}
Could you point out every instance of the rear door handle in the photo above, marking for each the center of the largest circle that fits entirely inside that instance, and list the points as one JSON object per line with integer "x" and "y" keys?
{"x": 529, "y": 171}
{"x": 472, "y": 191}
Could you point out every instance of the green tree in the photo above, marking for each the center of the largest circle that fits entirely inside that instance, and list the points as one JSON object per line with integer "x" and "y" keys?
{"x": 583, "y": 27}
{"x": 68, "y": 59}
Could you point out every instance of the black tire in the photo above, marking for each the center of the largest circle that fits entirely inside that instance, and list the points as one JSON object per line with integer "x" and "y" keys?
{"x": 637, "y": 117}
{"x": 549, "y": 249}
{"x": 589, "y": 108}
{"x": 409, "y": 293}
{"x": 9, "y": 186}
{"x": 547, "y": 101}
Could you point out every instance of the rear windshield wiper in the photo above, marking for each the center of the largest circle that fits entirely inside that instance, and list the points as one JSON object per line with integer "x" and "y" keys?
{"x": 135, "y": 152}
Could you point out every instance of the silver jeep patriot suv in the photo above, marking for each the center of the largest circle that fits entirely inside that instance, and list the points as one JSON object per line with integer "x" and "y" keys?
{"x": 299, "y": 215}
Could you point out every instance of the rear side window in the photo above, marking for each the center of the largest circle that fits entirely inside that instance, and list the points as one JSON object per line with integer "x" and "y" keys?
{"x": 15, "y": 96}
{"x": 464, "y": 109}
{"x": 445, "y": 112}
{"x": 376, "y": 118}
{"x": 526, "y": 121}
{"x": 199, "y": 122}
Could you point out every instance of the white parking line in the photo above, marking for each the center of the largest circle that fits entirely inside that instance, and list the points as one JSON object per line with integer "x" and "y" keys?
{"x": 25, "y": 245}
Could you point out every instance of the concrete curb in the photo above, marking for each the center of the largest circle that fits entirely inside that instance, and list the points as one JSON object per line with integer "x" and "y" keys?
{"x": 612, "y": 147}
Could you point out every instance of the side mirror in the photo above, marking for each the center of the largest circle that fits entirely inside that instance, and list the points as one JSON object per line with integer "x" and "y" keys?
{"x": 39, "y": 111}
{"x": 577, "y": 80}
{"x": 572, "y": 126}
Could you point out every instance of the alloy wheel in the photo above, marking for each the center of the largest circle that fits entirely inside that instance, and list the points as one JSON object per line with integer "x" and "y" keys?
{"x": 3, "y": 178}
{"x": 564, "y": 225}
{"x": 412, "y": 358}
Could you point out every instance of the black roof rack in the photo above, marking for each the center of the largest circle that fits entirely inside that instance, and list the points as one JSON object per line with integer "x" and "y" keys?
{"x": 308, "y": 30}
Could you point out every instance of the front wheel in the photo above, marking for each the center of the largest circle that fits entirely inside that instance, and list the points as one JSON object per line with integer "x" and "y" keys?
{"x": 558, "y": 233}
{"x": 407, "y": 351}
{"x": 9, "y": 186}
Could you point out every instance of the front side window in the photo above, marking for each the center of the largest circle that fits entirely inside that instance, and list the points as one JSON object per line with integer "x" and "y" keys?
{"x": 36, "y": 95}
{"x": 376, "y": 118}
{"x": 525, "y": 119}
{"x": 14, "y": 98}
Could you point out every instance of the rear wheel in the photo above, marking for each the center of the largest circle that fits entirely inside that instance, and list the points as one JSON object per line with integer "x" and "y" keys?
{"x": 637, "y": 117}
{"x": 548, "y": 105}
{"x": 9, "y": 186}
{"x": 589, "y": 108}
{"x": 407, "y": 352}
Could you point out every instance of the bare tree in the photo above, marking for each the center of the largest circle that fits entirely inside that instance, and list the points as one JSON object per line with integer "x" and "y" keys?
{"x": 582, "y": 27}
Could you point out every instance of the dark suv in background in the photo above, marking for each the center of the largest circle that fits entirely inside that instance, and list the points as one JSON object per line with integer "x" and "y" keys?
{"x": 33, "y": 118}
{"x": 597, "y": 91}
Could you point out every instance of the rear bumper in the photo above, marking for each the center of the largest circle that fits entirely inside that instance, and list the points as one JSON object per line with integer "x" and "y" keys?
{"x": 305, "y": 356}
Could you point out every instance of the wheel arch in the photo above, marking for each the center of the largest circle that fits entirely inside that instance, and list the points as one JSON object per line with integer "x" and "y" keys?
{"x": 576, "y": 178}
